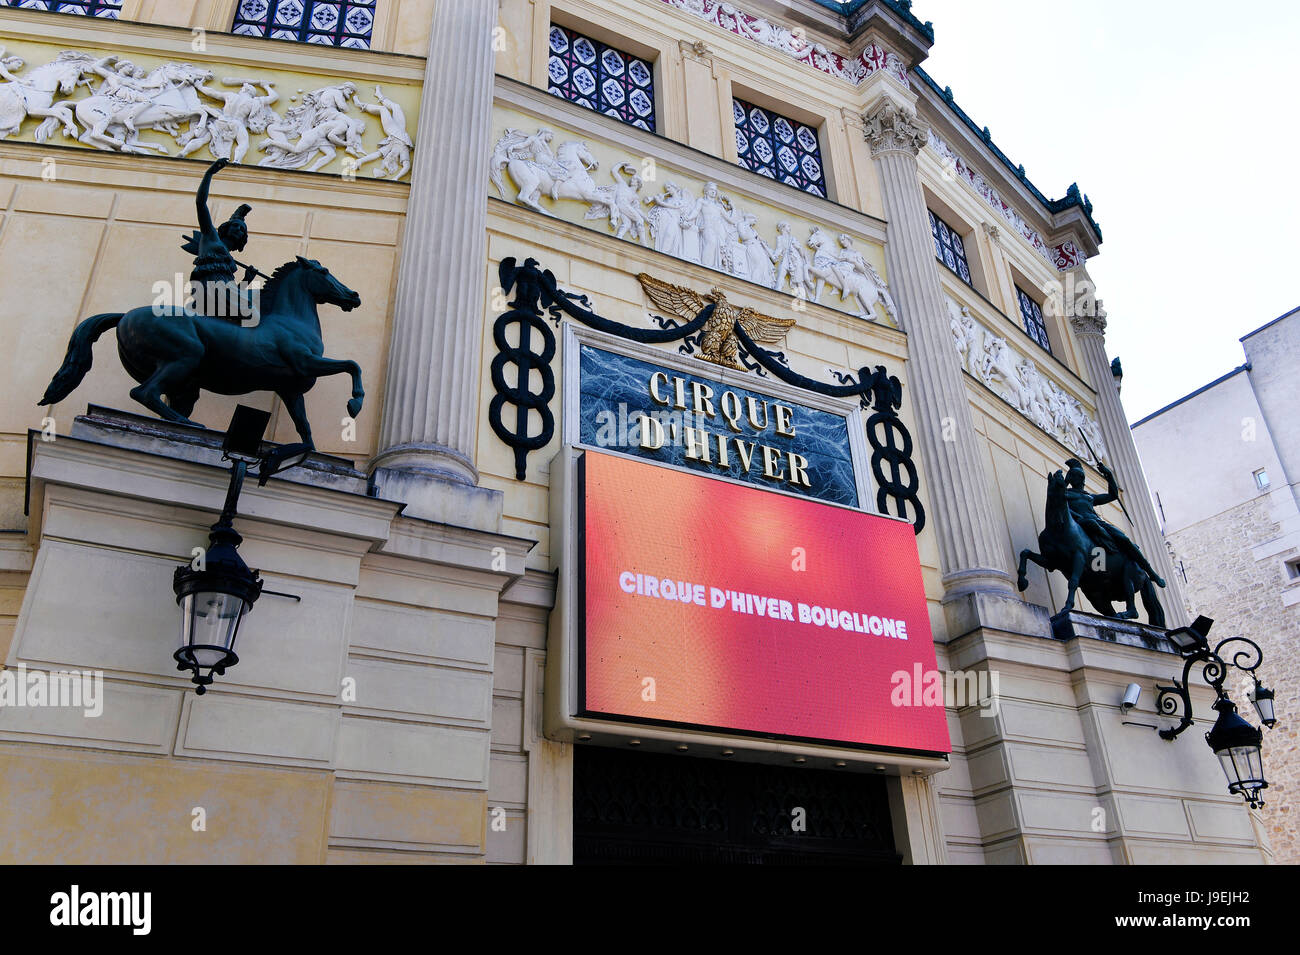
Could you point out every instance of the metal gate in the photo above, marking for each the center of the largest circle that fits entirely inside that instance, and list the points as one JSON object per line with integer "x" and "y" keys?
{"x": 634, "y": 808}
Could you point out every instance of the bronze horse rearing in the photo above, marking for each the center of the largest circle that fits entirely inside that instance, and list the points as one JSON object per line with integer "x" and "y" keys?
{"x": 1068, "y": 550}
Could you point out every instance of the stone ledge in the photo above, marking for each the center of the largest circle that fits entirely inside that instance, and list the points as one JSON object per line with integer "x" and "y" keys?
{"x": 125, "y": 429}
{"x": 1130, "y": 633}
{"x": 991, "y": 610}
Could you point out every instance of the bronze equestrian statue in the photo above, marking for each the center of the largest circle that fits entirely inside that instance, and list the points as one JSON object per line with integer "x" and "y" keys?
{"x": 176, "y": 351}
{"x": 1095, "y": 556}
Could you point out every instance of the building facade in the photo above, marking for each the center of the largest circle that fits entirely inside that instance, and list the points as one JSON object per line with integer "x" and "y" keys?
{"x": 1233, "y": 527}
{"x": 520, "y": 192}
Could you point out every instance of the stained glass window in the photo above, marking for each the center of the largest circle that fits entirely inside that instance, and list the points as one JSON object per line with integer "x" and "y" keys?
{"x": 333, "y": 23}
{"x": 599, "y": 77}
{"x": 1031, "y": 313}
{"x": 108, "y": 9}
{"x": 948, "y": 247}
{"x": 779, "y": 148}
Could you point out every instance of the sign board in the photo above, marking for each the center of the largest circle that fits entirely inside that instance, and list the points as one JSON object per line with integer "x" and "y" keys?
{"x": 708, "y": 604}
{"x": 699, "y": 421}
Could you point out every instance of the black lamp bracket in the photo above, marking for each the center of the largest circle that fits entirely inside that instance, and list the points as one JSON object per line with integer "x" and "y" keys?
{"x": 1176, "y": 700}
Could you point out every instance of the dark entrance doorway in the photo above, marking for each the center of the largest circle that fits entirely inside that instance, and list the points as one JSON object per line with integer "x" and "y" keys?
{"x": 647, "y": 809}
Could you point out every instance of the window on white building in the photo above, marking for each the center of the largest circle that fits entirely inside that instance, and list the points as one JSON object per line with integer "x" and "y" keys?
{"x": 1031, "y": 316}
{"x": 108, "y": 9}
{"x": 1261, "y": 479}
{"x": 328, "y": 22}
{"x": 599, "y": 77}
{"x": 949, "y": 249}
{"x": 777, "y": 147}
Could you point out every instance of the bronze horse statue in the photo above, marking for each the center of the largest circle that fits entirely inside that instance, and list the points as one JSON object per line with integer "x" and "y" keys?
{"x": 1069, "y": 551}
{"x": 173, "y": 351}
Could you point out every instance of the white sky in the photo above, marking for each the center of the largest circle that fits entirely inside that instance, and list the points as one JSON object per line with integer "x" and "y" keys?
{"x": 1178, "y": 120}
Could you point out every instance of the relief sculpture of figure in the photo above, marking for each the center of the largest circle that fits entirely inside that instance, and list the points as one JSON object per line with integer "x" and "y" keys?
{"x": 759, "y": 255}
{"x": 129, "y": 100}
{"x": 395, "y": 148}
{"x": 791, "y": 262}
{"x": 665, "y": 218}
{"x": 863, "y": 281}
{"x": 225, "y": 131}
{"x": 129, "y": 88}
{"x": 621, "y": 203}
{"x": 709, "y": 218}
{"x": 850, "y": 274}
{"x": 1094, "y": 555}
{"x": 534, "y": 168}
{"x": 966, "y": 335}
{"x": 320, "y": 123}
{"x": 34, "y": 93}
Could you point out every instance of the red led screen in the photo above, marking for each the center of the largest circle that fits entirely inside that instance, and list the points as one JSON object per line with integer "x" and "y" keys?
{"x": 711, "y": 604}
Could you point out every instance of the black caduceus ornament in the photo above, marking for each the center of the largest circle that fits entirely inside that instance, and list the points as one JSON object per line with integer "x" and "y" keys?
{"x": 526, "y": 316}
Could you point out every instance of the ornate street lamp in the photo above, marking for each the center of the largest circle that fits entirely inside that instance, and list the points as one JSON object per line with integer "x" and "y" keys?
{"x": 1261, "y": 697}
{"x": 217, "y": 588}
{"x": 1235, "y": 742}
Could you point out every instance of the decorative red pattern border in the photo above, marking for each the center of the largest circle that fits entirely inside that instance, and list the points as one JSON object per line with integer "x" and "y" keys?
{"x": 794, "y": 43}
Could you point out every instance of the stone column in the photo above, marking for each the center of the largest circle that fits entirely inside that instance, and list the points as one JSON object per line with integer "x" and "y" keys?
{"x": 1091, "y": 334}
{"x": 431, "y": 393}
{"x": 972, "y": 551}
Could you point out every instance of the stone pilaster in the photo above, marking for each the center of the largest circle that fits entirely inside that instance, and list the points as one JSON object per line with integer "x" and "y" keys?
{"x": 972, "y": 552}
{"x": 431, "y": 394}
{"x": 1090, "y": 331}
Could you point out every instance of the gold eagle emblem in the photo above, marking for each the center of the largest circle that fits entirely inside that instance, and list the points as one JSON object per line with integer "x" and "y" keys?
{"x": 718, "y": 341}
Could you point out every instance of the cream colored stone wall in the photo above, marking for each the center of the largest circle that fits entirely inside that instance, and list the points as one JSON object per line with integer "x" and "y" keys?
{"x": 97, "y": 239}
{"x": 366, "y": 707}
{"x": 1243, "y": 596}
{"x": 694, "y": 89}
{"x": 447, "y": 651}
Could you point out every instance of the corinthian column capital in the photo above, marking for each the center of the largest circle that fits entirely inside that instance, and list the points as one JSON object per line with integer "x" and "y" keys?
{"x": 893, "y": 128}
{"x": 1089, "y": 325}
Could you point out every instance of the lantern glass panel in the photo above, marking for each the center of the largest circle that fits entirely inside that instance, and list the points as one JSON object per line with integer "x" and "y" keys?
{"x": 1264, "y": 707}
{"x": 1242, "y": 765}
{"x": 210, "y": 619}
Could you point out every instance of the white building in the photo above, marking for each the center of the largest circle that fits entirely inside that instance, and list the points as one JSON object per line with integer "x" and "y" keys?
{"x": 1233, "y": 526}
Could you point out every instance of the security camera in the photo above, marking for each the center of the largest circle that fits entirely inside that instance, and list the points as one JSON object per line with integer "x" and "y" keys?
{"x": 1131, "y": 695}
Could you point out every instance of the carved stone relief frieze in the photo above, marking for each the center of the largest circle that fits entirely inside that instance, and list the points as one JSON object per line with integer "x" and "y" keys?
{"x": 1017, "y": 380}
{"x": 709, "y": 228}
{"x": 187, "y": 103}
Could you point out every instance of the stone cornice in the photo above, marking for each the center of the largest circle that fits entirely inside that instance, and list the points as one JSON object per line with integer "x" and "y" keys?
{"x": 1063, "y": 256}
{"x": 1074, "y": 235}
{"x": 852, "y": 66}
{"x": 893, "y": 128}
